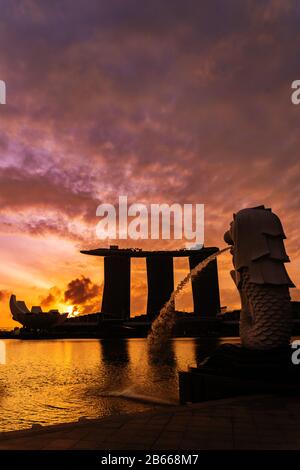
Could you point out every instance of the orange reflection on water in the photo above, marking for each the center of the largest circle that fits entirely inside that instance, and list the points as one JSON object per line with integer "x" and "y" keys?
{"x": 56, "y": 381}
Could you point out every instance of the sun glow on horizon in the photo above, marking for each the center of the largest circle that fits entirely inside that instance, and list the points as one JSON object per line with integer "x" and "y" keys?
{"x": 71, "y": 309}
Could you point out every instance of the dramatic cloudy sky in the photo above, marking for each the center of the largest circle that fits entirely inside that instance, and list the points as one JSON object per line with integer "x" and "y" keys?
{"x": 161, "y": 100}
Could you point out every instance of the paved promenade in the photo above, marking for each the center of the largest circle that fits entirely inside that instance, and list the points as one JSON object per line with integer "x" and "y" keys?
{"x": 257, "y": 422}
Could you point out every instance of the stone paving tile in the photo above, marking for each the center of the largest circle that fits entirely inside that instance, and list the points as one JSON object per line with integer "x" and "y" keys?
{"x": 98, "y": 438}
{"x": 291, "y": 430}
{"x": 113, "y": 446}
{"x": 248, "y": 446}
{"x": 118, "y": 437}
{"x": 165, "y": 444}
{"x": 36, "y": 444}
{"x": 12, "y": 444}
{"x": 60, "y": 444}
{"x": 74, "y": 434}
{"x": 57, "y": 434}
{"x": 84, "y": 445}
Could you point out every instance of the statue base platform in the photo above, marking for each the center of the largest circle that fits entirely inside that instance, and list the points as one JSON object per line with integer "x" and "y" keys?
{"x": 233, "y": 370}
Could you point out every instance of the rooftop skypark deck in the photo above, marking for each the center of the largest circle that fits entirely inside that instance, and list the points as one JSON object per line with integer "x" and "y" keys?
{"x": 139, "y": 253}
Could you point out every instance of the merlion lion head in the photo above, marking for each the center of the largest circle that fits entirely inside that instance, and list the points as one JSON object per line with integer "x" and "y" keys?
{"x": 256, "y": 236}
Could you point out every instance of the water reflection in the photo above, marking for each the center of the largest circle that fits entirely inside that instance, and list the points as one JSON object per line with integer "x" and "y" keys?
{"x": 114, "y": 352}
{"x": 55, "y": 381}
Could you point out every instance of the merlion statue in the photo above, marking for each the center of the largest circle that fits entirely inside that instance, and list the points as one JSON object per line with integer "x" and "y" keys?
{"x": 256, "y": 236}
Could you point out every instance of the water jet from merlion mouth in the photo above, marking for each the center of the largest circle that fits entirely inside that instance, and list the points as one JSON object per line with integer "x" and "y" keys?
{"x": 161, "y": 330}
{"x": 162, "y": 327}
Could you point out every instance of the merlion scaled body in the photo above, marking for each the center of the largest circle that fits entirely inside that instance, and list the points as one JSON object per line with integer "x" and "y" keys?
{"x": 256, "y": 236}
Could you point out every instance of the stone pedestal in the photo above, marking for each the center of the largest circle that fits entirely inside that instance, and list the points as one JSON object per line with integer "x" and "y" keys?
{"x": 232, "y": 371}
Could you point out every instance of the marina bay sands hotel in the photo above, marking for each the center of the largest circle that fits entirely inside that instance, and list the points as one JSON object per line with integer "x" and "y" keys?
{"x": 160, "y": 278}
